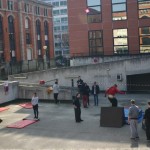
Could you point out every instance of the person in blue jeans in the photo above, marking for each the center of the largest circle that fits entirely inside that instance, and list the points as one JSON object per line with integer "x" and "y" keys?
{"x": 95, "y": 92}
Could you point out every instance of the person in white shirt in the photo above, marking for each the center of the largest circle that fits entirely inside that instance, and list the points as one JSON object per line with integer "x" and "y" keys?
{"x": 6, "y": 88}
{"x": 35, "y": 101}
{"x": 56, "y": 91}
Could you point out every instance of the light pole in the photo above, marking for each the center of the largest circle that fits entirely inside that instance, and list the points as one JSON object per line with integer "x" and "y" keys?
{"x": 46, "y": 57}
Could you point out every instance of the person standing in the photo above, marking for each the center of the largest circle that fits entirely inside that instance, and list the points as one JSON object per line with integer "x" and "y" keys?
{"x": 111, "y": 95}
{"x": 147, "y": 121}
{"x": 133, "y": 120}
{"x": 79, "y": 84}
{"x": 77, "y": 108}
{"x": 56, "y": 91}
{"x": 6, "y": 87}
{"x": 88, "y": 94}
{"x": 95, "y": 92}
{"x": 34, "y": 102}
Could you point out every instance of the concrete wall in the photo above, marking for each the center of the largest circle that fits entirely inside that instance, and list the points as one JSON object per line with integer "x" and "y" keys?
{"x": 12, "y": 93}
{"x": 104, "y": 73}
{"x": 26, "y": 92}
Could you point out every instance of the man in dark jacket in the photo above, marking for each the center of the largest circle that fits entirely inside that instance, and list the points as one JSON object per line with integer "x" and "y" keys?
{"x": 147, "y": 121}
{"x": 79, "y": 84}
{"x": 95, "y": 92}
{"x": 77, "y": 108}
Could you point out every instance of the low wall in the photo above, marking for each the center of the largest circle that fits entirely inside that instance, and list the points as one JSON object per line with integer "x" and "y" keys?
{"x": 12, "y": 93}
{"x": 26, "y": 92}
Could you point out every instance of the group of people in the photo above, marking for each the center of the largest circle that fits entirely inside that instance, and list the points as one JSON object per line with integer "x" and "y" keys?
{"x": 84, "y": 92}
{"x": 110, "y": 93}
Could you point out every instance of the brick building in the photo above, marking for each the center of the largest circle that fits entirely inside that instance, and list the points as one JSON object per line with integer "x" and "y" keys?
{"x": 109, "y": 27}
{"x": 26, "y": 37}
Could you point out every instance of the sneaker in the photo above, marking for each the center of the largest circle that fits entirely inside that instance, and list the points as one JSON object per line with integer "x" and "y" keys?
{"x": 81, "y": 120}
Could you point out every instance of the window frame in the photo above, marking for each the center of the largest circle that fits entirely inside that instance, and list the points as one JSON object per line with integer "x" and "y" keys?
{"x": 141, "y": 38}
{"x": 147, "y": 9}
{"x": 91, "y": 53}
{"x": 126, "y": 52}
{"x": 112, "y": 12}
{"x": 94, "y": 14}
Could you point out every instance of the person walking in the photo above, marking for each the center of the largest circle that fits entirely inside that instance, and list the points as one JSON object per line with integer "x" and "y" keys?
{"x": 95, "y": 92}
{"x": 77, "y": 108}
{"x": 133, "y": 120}
{"x": 147, "y": 121}
{"x": 111, "y": 95}
{"x": 34, "y": 102}
{"x": 56, "y": 91}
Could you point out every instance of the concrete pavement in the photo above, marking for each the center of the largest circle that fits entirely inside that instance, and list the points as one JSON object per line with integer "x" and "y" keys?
{"x": 57, "y": 129}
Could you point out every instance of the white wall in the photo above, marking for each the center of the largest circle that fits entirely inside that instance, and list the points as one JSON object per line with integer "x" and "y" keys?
{"x": 12, "y": 92}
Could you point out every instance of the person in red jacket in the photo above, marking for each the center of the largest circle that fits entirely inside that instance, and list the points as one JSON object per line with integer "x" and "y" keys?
{"x": 111, "y": 95}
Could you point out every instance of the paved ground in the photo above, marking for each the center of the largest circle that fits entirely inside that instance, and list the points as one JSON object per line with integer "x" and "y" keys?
{"x": 58, "y": 130}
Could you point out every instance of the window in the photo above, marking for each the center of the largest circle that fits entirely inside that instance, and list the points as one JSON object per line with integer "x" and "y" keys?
{"x": 64, "y": 20}
{"x": 63, "y": 3}
{"x": 56, "y": 20}
{"x": 0, "y": 3}
{"x": 26, "y": 7}
{"x": 94, "y": 14}
{"x": 144, "y": 8}
{"x": 64, "y": 28}
{"x": 26, "y": 23}
{"x": 144, "y": 35}
{"x": 57, "y": 29}
{"x": 56, "y": 4}
{"x": 119, "y": 10}
{"x": 1, "y": 40}
{"x": 57, "y": 37}
{"x": 55, "y": 12}
{"x": 10, "y": 5}
{"x": 63, "y": 11}
{"x": 28, "y": 40}
{"x": 120, "y": 41}
{"x": 95, "y": 43}
{"x": 65, "y": 40}
{"x": 45, "y": 12}
{"x": 11, "y": 36}
{"x": 46, "y": 28}
{"x": 38, "y": 33}
{"x": 37, "y": 10}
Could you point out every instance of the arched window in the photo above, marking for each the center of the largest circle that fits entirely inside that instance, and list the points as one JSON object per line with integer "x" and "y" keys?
{"x": 11, "y": 36}
{"x": 38, "y": 32}
{"x": 46, "y": 28}
{"x": 27, "y": 24}
{"x": 1, "y": 40}
{"x": 38, "y": 27}
{"x": 11, "y": 24}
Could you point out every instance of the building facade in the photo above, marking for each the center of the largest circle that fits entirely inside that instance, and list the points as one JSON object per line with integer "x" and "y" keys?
{"x": 109, "y": 27}
{"x": 60, "y": 27}
{"x": 26, "y": 35}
